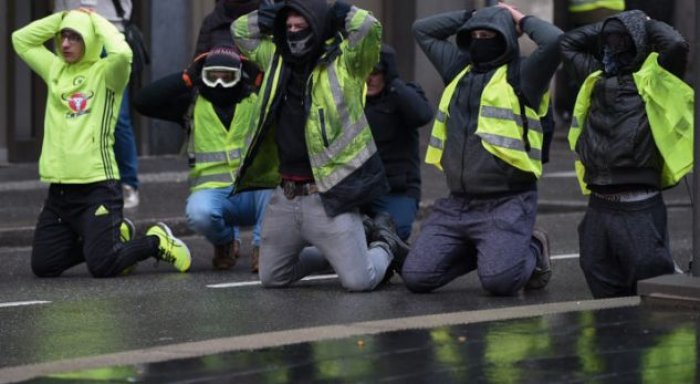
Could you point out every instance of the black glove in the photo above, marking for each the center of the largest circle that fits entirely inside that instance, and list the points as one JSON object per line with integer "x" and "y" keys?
{"x": 266, "y": 16}
{"x": 339, "y": 11}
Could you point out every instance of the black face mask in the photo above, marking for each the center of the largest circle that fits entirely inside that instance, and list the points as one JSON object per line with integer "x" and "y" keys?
{"x": 486, "y": 50}
{"x": 618, "y": 53}
{"x": 220, "y": 96}
{"x": 300, "y": 43}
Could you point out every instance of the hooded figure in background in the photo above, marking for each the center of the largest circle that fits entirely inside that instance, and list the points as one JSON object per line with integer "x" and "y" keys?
{"x": 632, "y": 133}
{"x": 314, "y": 143}
{"x": 214, "y": 100}
{"x": 395, "y": 111}
{"x": 488, "y": 140}
{"x": 215, "y": 28}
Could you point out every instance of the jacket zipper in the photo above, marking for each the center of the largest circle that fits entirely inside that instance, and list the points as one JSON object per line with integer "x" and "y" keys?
{"x": 322, "y": 119}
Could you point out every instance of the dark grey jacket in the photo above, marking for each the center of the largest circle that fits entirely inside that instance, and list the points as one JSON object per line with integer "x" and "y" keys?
{"x": 616, "y": 145}
{"x": 469, "y": 168}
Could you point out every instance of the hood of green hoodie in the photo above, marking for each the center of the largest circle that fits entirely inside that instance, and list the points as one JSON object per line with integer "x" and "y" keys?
{"x": 81, "y": 22}
{"x": 495, "y": 19}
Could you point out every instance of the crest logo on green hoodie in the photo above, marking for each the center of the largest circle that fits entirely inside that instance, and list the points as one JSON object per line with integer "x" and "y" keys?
{"x": 78, "y": 103}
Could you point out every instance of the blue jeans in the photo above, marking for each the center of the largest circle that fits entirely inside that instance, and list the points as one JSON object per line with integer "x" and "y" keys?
{"x": 403, "y": 210}
{"x": 216, "y": 214}
{"x": 125, "y": 145}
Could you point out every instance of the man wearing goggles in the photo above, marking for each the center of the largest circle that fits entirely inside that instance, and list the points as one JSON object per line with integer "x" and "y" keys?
{"x": 215, "y": 97}
{"x": 226, "y": 77}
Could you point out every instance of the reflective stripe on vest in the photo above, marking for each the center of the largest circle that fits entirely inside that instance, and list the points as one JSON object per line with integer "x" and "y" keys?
{"x": 668, "y": 102}
{"x": 367, "y": 23}
{"x": 500, "y": 125}
{"x": 223, "y": 178}
{"x": 589, "y": 5}
{"x": 216, "y": 157}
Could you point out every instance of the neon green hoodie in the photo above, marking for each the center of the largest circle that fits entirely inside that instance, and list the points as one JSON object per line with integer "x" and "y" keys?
{"x": 83, "y": 98}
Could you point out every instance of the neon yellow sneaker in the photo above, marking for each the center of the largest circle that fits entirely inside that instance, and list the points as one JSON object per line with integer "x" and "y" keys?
{"x": 126, "y": 233}
{"x": 170, "y": 248}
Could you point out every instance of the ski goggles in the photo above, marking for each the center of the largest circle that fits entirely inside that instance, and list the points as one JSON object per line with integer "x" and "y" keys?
{"x": 227, "y": 77}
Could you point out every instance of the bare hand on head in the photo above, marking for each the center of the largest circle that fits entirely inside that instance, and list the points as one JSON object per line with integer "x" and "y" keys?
{"x": 515, "y": 13}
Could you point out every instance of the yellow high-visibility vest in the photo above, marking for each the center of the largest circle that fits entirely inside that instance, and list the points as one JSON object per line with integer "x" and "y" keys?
{"x": 499, "y": 125}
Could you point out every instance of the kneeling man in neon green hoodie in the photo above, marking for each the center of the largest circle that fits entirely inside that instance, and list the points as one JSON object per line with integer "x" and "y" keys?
{"x": 82, "y": 219}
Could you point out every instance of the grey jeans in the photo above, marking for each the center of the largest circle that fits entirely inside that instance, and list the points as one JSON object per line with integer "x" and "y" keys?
{"x": 291, "y": 225}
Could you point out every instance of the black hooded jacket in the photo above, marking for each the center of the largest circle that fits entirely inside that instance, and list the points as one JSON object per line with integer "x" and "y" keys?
{"x": 394, "y": 116}
{"x": 616, "y": 145}
{"x": 469, "y": 168}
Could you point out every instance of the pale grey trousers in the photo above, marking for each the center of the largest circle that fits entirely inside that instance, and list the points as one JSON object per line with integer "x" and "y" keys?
{"x": 292, "y": 225}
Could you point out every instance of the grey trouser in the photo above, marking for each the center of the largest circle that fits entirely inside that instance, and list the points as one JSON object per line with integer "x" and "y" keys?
{"x": 492, "y": 236}
{"x": 291, "y": 225}
{"x": 622, "y": 243}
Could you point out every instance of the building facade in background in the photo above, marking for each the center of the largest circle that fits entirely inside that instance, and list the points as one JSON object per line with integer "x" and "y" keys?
{"x": 171, "y": 27}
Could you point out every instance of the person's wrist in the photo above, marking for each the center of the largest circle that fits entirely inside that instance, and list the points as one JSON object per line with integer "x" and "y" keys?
{"x": 521, "y": 23}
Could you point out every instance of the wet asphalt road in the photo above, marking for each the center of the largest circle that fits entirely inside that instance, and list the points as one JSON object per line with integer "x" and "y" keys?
{"x": 45, "y": 320}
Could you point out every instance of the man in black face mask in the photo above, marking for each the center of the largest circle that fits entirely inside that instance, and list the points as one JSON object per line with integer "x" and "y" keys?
{"x": 632, "y": 133}
{"x": 213, "y": 99}
{"x": 313, "y": 141}
{"x": 488, "y": 127}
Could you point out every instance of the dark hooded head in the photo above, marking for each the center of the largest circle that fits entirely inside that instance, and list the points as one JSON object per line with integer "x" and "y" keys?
{"x": 384, "y": 72}
{"x": 221, "y": 81}
{"x": 500, "y": 46}
{"x": 234, "y": 9}
{"x": 296, "y": 43}
{"x": 624, "y": 44}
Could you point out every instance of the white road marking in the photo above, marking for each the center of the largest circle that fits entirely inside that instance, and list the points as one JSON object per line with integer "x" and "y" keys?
{"x": 331, "y": 277}
{"x": 558, "y": 175}
{"x": 565, "y": 257}
{"x": 253, "y": 283}
{"x": 22, "y": 303}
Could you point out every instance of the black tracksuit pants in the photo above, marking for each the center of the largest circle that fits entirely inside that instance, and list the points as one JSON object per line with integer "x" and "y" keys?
{"x": 622, "y": 243}
{"x": 80, "y": 223}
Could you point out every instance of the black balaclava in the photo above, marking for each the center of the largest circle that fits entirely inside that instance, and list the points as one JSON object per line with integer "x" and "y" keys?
{"x": 300, "y": 43}
{"x": 220, "y": 96}
{"x": 307, "y": 45}
{"x": 487, "y": 50}
{"x": 619, "y": 50}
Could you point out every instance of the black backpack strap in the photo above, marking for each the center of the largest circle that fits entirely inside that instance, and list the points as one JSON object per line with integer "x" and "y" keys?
{"x": 120, "y": 10}
{"x": 188, "y": 118}
{"x": 513, "y": 77}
